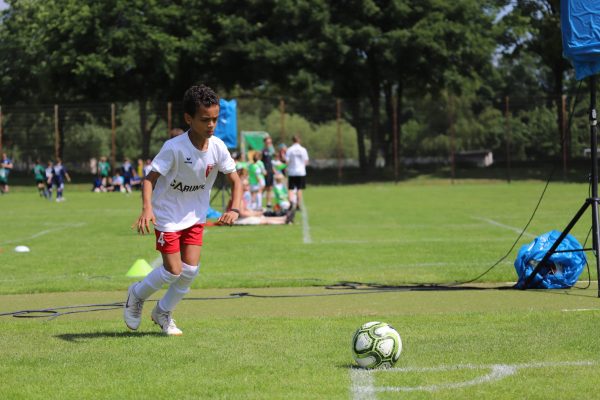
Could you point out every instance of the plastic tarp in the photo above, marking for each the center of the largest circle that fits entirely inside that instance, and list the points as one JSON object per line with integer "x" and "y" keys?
{"x": 226, "y": 129}
{"x": 564, "y": 268}
{"x": 580, "y": 23}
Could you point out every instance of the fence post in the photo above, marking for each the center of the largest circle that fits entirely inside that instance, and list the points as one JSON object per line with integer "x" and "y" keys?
{"x": 508, "y": 136}
{"x": 113, "y": 141}
{"x": 56, "y": 133}
{"x": 395, "y": 134}
{"x": 564, "y": 135}
{"x": 282, "y": 111}
{"x": 452, "y": 138}
{"x": 340, "y": 149}
{"x": 169, "y": 118}
{"x": 1, "y": 131}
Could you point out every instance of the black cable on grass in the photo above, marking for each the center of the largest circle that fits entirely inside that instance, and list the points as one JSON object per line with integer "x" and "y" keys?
{"x": 55, "y": 312}
{"x": 358, "y": 289}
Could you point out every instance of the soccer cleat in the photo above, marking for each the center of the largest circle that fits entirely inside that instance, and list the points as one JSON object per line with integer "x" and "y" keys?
{"x": 289, "y": 216}
{"x": 132, "y": 312}
{"x": 163, "y": 319}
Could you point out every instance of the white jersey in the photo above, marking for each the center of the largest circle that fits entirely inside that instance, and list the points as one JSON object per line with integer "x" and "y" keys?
{"x": 296, "y": 156}
{"x": 182, "y": 193}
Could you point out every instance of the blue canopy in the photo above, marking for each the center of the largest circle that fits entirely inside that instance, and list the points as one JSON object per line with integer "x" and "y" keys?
{"x": 226, "y": 129}
{"x": 580, "y": 22}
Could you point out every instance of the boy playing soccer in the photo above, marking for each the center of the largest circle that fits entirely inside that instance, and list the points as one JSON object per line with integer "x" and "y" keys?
{"x": 176, "y": 196}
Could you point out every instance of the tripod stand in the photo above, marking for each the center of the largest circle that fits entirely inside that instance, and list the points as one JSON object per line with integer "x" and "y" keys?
{"x": 222, "y": 189}
{"x": 543, "y": 266}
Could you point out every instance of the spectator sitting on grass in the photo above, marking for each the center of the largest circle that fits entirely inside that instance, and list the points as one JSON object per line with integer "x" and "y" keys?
{"x": 117, "y": 183}
{"x": 253, "y": 217}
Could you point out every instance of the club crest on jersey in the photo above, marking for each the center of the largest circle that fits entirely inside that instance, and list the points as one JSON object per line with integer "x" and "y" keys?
{"x": 209, "y": 168}
{"x": 185, "y": 188}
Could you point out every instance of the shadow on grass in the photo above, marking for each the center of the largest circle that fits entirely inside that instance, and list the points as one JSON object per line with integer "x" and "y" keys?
{"x": 78, "y": 337}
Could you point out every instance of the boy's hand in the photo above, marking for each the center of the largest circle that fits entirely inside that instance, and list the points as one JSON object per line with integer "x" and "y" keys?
{"x": 143, "y": 222}
{"x": 228, "y": 218}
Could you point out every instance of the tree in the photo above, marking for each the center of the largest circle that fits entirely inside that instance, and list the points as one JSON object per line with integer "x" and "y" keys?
{"x": 533, "y": 28}
{"x": 94, "y": 51}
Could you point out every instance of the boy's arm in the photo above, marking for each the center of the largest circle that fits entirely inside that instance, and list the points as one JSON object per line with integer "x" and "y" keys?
{"x": 147, "y": 215}
{"x": 229, "y": 217}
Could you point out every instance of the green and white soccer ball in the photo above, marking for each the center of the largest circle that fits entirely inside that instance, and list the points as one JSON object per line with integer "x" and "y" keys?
{"x": 376, "y": 344}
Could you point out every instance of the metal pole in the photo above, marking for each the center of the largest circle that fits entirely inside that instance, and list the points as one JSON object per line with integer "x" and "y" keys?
{"x": 594, "y": 147}
{"x": 452, "y": 150}
{"x": 169, "y": 118}
{"x": 113, "y": 126}
{"x": 563, "y": 134}
{"x": 282, "y": 111}
{"x": 395, "y": 135}
{"x": 508, "y": 136}
{"x": 1, "y": 131}
{"x": 56, "y": 133}
{"x": 340, "y": 151}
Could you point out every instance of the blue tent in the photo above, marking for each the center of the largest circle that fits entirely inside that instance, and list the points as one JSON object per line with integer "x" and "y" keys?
{"x": 226, "y": 129}
{"x": 580, "y": 22}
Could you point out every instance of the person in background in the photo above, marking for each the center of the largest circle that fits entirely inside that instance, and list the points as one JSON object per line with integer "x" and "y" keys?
{"x": 256, "y": 177}
{"x": 40, "y": 178}
{"x": 175, "y": 132}
{"x": 104, "y": 171}
{"x": 3, "y": 179}
{"x": 280, "y": 164}
{"x": 118, "y": 183}
{"x": 147, "y": 167}
{"x": 297, "y": 160}
{"x": 281, "y": 193}
{"x": 140, "y": 168}
{"x": 127, "y": 174}
{"x": 59, "y": 175}
{"x": 268, "y": 153}
{"x": 6, "y": 164}
{"x": 49, "y": 173}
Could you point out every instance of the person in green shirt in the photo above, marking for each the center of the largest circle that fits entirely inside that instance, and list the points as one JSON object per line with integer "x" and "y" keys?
{"x": 256, "y": 178}
{"x": 104, "y": 170}
{"x": 3, "y": 179}
{"x": 281, "y": 193}
{"x": 40, "y": 178}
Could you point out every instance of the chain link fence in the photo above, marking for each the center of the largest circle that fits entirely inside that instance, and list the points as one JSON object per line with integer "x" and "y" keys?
{"x": 456, "y": 136}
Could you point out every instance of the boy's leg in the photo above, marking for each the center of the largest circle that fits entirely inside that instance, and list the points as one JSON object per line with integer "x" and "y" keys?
{"x": 191, "y": 244}
{"x": 181, "y": 286}
{"x": 140, "y": 291}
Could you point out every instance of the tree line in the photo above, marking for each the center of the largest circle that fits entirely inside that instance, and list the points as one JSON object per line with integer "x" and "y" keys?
{"x": 385, "y": 58}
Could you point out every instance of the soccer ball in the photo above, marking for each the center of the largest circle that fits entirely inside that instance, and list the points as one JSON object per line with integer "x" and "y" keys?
{"x": 376, "y": 344}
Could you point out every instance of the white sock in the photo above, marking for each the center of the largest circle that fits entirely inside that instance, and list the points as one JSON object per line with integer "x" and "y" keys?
{"x": 179, "y": 288}
{"x": 153, "y": 282}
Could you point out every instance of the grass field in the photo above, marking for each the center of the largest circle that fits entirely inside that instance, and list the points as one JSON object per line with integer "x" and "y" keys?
{"x": 293, "y": 342}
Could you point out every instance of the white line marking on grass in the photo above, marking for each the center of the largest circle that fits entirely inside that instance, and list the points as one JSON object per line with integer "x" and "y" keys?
{"x": 501, "y": 225}
{"x": 363, "y": 387}
{"x": 363, "y": 382}
{"x": 409, "y": 241}
{"x": 579, "y": 309}
{"x": 45, "y": 232}
{"x": 305, "y": 227}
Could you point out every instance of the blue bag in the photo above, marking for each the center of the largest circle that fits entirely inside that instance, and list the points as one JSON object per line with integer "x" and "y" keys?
{"x": 563, "y": 268}
{"x": 580, "y": 23}
{"x": 212, "y": 213}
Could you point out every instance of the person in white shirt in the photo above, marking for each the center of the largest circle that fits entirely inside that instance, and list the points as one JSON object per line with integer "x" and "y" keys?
{"x": 297, "y": 160}
{"x": 176, "y": 197}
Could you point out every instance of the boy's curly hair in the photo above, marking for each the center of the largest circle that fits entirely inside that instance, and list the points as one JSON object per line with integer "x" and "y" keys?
{"x": 198, "y": 95}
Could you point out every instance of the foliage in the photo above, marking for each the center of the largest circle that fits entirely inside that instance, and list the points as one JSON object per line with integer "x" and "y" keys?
{"x": 368, "y": 52}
